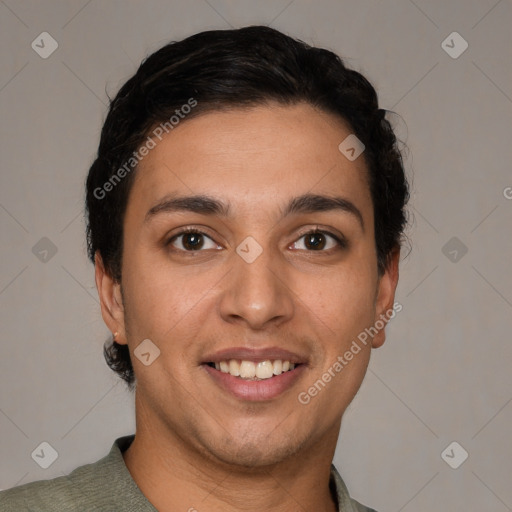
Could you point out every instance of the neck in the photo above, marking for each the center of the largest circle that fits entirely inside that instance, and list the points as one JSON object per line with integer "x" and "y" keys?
{"x": 176, "y": 477}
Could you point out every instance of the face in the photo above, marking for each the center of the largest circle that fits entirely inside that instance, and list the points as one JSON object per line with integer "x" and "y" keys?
{"x": 279, "y": 264}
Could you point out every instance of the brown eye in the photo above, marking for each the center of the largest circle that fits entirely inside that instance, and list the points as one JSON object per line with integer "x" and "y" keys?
{"x": 192, "y": 240}
{"x": 315, "y": 241}
{"x": 321, "y": 241}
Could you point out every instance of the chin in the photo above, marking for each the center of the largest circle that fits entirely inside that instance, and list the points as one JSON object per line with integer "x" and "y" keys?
{"x": 259, "y": 452}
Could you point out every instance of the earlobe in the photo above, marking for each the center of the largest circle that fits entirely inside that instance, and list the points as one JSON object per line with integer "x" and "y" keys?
{"x": 384, "y": 310}
{"x": 111, "y": 300}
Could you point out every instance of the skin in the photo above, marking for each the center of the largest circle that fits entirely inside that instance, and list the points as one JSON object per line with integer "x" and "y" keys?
{"x": 217, "y": 452}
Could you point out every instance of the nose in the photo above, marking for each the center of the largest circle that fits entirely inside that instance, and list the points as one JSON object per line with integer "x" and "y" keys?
{"x": 257, "y": 293}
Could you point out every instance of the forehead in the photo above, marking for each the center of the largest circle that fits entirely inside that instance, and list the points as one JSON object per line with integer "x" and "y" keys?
{"x": 252, "y": 157}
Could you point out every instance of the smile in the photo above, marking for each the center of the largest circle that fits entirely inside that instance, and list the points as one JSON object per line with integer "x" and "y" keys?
{"x": 255, "y": 374}
{"x": 251, "y": 370}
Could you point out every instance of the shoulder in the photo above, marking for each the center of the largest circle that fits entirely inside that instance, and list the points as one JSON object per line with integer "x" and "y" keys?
{"x": 95, "y": 487}
{"x": 57, "y": 494}
{"x": 65, "y": 493}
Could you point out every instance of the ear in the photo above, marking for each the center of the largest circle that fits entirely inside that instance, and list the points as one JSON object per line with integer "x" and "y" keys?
{"x": 111, "y": 300}
{"x": 385, "y": 297}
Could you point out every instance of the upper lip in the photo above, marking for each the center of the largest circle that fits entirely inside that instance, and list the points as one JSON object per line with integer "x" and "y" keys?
{"x": 254, "y": 354}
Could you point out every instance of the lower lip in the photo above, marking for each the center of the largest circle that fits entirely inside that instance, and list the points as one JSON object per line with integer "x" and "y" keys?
{"x": 255, "y": 390}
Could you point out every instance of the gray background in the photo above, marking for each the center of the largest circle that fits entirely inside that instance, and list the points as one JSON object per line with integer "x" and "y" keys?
{"x": 444, "y": 373}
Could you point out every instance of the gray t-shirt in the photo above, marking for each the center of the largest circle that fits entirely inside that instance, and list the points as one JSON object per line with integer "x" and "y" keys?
{"x": 107, "y": 486}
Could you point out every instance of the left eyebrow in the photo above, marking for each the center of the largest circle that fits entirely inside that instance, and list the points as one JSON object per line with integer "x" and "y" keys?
{"x": 311, "y": 203}
{"x": 206, "y": 205}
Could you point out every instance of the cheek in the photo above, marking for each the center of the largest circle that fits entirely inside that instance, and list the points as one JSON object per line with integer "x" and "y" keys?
{"x": 160, "y": 296}
{"x": 344, "y": 299}
{"x": 346, "y": 304}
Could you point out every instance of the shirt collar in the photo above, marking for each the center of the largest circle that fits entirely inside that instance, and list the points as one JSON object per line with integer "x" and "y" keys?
{"x": 345, "y": 502}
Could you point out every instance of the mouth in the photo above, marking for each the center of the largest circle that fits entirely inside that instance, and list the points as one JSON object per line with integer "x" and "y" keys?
{"x": 253, "y": 370}
{"x": 255, "y": 374}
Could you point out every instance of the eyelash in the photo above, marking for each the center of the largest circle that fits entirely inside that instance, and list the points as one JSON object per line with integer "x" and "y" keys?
{"x": 342, "y": 243}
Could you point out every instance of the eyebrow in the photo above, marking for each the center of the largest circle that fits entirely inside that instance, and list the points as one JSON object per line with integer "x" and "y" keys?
{"x": 206, "y": 205}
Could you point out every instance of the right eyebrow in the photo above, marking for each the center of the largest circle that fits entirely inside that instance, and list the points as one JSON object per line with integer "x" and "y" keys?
{"x": 201, "y": 204}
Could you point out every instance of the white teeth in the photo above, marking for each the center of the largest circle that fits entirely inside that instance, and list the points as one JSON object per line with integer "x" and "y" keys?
{"x": 247, "y": 370}
{"x": 234, "y": 367}
{"x": 254, "y": 371}
{"x": 264, "y": 370}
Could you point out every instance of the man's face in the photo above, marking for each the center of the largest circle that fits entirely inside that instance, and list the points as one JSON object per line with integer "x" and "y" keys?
{"x": 203, "y": 298}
